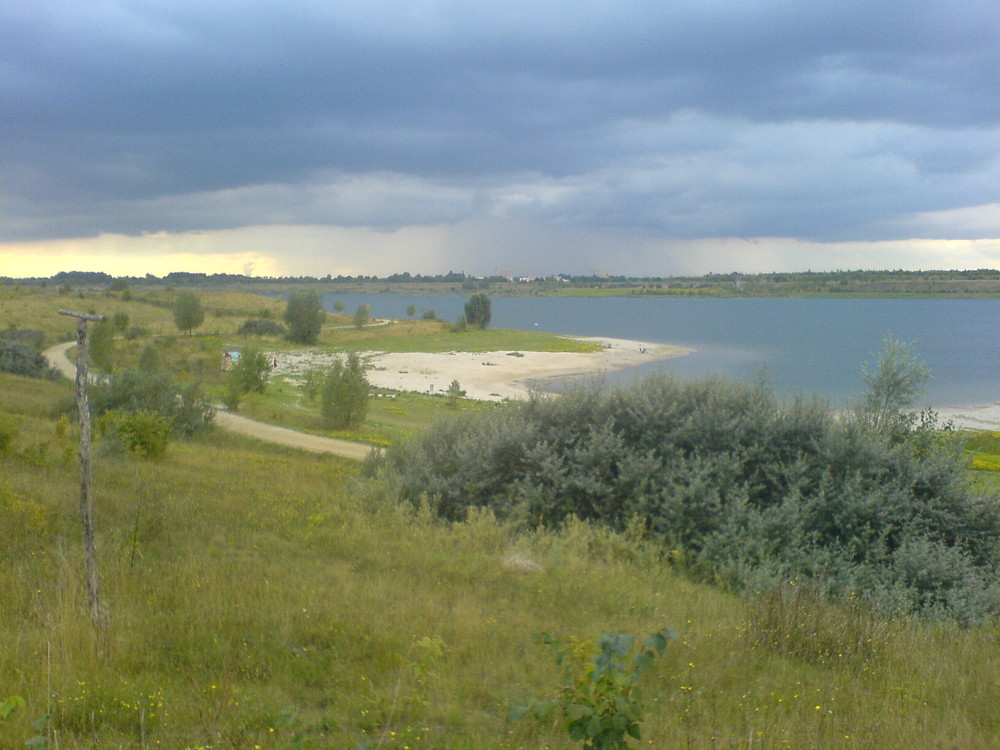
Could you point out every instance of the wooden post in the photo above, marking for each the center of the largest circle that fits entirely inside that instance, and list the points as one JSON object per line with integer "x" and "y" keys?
{"x": 86, "y": 500}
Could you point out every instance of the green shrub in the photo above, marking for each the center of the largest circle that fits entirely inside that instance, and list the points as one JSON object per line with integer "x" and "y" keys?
{"x": 479, "y": 310}
{"x": 139, "y": 432}
{"x": 362, "y": 315}
{"x": 261, "y": 328}
{"x": 186, "y": 410}
{"x": 345, "y": 393}
{"x": 20, "y": 354}
{"x": 251, "y": 371}
{"x": 749, "y": 491}
{"x": 248, "y": 375}
{"x": 598, "y": 701}
{"x": 120, "y": 321}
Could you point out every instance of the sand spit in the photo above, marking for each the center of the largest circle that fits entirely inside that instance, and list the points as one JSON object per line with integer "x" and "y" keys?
{"x": 489, "y": 376}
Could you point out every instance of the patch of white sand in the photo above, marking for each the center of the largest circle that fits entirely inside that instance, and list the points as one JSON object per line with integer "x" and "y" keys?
{"x": 490, "y": 376}
{"x": 975, "y": 417}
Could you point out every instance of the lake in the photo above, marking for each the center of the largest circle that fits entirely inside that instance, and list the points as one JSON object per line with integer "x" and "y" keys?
{"x": 807, "y": 345}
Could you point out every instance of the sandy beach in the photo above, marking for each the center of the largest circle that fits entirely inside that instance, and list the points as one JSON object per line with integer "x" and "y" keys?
{"x": 975, "y": 417}
{"x": 489, "y": 376}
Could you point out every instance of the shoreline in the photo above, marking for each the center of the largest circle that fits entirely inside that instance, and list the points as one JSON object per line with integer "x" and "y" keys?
{"x": 505, "y": 375}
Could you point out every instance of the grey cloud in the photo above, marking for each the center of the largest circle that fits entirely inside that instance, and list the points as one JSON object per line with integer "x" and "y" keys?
{"x": 691, "y": 119}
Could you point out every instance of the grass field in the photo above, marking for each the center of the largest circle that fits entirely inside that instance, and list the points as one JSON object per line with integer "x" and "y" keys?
{"x": 261, "y": 597}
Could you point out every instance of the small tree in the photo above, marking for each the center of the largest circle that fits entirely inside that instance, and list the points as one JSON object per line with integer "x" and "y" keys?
{"x": 188, "y": 312}
{"x": 120, "y": 321}
{"x": 252, "y": 370}
{"x": 338, "y": 306}
{"x": 363, "y": 315}
{"x": 479, "y": 310}
{"x": 455, "y": 392}
{"x": 411, "y": 310}
{"x": 249, "y": 375}
{"x": 894, "y": 383}
{"x": 304, "y": 316}
{"x": 345, "y": 393}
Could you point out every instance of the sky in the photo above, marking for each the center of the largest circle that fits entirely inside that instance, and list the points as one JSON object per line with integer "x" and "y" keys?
{"x": 623, "y": 137}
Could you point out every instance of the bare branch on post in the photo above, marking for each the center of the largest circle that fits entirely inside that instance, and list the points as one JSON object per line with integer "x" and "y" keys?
{"x": 86, "y": 499}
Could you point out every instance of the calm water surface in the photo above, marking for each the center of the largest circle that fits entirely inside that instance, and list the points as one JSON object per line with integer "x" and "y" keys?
{"x": 805, "y": 345}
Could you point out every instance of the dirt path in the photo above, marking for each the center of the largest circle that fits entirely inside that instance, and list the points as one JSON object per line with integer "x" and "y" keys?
{"x": 234, "y": 423}
{"x": 283, "y": 436}
{"x": 56, "y": 355}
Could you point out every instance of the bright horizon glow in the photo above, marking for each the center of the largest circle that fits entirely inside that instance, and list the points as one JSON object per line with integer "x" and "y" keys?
{"x": 305, "y": 251}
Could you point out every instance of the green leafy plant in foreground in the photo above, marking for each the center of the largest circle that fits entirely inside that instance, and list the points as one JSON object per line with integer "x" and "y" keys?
{"x": 16, "y": 703}
{"x": 598, "y": 701}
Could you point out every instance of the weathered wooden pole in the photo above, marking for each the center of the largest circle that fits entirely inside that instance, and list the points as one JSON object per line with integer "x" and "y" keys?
{"x": 86, "y": 500}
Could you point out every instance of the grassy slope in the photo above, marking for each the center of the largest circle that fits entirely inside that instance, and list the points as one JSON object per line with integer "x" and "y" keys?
{"x": 255, "y": 593}
{"x": 37, "y": 308}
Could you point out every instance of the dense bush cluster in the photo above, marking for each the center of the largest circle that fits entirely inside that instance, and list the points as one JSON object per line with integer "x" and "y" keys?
{"x": 136, "y": 432}
{"x": 21, "y": 354}
{"x": 261, "y": 327}
{"x": 737, "y": 485}
{"x": 184, "y": 410}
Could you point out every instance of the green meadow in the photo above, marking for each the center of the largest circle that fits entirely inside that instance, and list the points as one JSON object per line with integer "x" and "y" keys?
{"x": 262, "y": 597}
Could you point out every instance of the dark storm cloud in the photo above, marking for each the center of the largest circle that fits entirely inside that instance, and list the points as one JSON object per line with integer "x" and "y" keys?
{"x": 812, "y": 119}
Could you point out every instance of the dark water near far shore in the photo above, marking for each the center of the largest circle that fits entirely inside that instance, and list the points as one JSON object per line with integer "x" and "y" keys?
{"x": 807, "y": 345}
